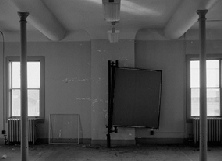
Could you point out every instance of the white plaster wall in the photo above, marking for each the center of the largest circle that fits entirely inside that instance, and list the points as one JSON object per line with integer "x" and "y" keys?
{"x": 213, "y": 42}
{"x": 168, "y": 56}
{"x": 156, "y": 52}
{"x": 67, "y": 80}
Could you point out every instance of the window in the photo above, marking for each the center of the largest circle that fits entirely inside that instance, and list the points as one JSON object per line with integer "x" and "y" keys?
{"x": 35, "y": 86}
{"x": 213, "y": 87}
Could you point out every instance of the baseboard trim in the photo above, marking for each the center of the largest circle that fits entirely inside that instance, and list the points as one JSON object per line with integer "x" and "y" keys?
{"x": 159, "y": 141}
{"x": 46, "y": 141}
{"x": 142, "y": 141}
{"x": 113, "y": 142}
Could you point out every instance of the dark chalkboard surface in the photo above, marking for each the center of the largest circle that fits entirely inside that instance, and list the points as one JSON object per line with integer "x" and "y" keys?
{"x": 137, "y": 96}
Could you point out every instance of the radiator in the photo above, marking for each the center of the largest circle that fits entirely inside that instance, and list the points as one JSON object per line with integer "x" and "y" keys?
{"x": 214, "y": 130}
{"x": 14, "y": 131}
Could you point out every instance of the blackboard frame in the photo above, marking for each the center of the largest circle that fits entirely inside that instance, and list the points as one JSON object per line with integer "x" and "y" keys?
{"x": 112, "y": 66}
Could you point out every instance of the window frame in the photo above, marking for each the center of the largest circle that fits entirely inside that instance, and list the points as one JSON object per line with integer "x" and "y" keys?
{"x": 190, "y": 57}
{"x": 8, "y": 105}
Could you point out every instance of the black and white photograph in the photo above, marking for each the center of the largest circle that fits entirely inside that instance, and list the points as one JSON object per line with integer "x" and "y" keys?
{"x": 111, "y": 80}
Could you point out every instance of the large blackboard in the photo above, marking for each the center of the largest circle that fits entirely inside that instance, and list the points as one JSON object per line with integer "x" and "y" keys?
{"x": 137, "y": 96}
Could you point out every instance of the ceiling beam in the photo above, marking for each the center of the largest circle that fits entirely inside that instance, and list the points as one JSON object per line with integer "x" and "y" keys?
{"x": 185, "y": 17}
{"x": 41, "y": 18}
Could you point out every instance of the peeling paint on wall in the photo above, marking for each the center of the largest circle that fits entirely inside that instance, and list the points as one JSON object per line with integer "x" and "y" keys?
{"x": 76, "y": 79}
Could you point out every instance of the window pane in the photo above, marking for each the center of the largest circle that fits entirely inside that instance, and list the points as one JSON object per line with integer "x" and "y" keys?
{"x": 195, "y": 102}
{"x": 33, "y": 102}
{"x": 15, "y": 75}
{"x": 213, "y": 91}
{"x": 33, "y": 74}
{"x": 194, "y": 74}
{"x": 15, "y": 102}
{"x": 213, "y": 102}
{"x": 212, "y": 73}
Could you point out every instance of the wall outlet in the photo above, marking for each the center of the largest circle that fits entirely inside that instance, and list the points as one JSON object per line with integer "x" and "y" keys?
{"x": 3, "y": 132}
{"x": 152, "y": 132}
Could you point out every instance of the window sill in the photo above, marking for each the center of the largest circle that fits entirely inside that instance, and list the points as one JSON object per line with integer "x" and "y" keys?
{"x": 38, "y": 119}
{"x": 190, "y": 120}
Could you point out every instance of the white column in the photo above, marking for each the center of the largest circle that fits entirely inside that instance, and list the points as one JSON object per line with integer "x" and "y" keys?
{"x": 24, "y": 110}
{"x": 203, "y": 84}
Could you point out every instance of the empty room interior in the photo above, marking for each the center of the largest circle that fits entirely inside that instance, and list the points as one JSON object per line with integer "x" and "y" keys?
{"x": 111, "y": 79}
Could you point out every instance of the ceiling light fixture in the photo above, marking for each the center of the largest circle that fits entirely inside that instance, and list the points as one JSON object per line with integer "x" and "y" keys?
{"x": 113, "y": 35}
{"x": 111, "y": 10}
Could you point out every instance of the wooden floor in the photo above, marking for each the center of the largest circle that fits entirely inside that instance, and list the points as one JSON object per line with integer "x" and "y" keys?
{"x": 97, "y": 153}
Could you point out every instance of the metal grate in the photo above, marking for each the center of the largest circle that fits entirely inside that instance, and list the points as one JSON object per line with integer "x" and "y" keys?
{"x": 14, "y": 130}
{"x": 214, "y": 130}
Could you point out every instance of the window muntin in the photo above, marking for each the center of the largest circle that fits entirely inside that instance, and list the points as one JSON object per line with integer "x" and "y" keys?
{"x": 35, "y": 86}
{"x": 33, "y": 102}
{"x": 213, "y": 89}
{"x": 33, "y": 74}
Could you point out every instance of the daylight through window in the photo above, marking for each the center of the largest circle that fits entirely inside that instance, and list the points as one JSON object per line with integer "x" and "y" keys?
{"x": 33, "y": 75}
{"x": 213, "y": 88}
{"x": 35, "y": 87}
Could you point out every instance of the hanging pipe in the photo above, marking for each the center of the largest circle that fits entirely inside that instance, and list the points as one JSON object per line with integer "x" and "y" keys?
{"x": 3, "y": 80}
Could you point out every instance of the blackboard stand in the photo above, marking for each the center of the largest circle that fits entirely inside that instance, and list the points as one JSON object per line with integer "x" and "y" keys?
{"x": 111, "y": 85}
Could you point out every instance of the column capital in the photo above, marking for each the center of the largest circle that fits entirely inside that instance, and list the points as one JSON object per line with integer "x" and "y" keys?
{"x": 23, "y": 15}
{"x": 202, "y": 13}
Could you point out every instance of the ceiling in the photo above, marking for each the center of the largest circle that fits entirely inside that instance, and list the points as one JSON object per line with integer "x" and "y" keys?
{"x": 57, "y": 19}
